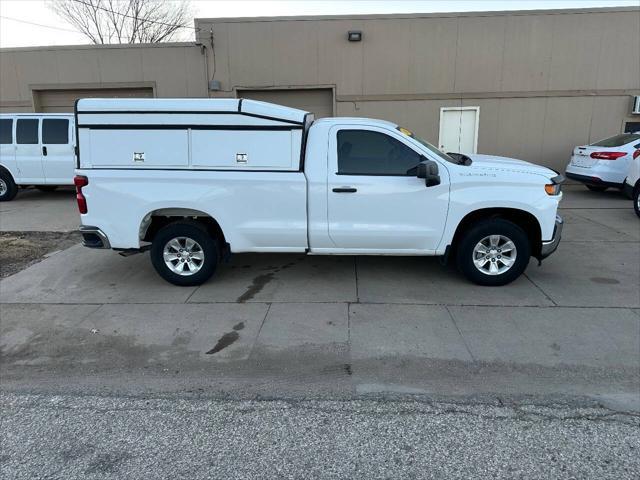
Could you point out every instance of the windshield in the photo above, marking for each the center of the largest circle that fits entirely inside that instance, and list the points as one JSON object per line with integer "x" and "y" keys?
{"x": 617, "y": 140}
{"x": 428, "y": 146}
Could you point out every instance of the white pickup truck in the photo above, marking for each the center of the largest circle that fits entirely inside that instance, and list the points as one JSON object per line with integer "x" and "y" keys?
{"x": 194, "y": 180}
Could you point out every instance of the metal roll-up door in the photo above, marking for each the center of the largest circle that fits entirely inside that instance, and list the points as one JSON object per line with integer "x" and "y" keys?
{"x": 318, "y": 101}
{"x": 55, "y": 101}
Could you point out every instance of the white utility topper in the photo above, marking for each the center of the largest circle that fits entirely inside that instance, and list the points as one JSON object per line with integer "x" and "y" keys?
{"x": 197, "y": 179}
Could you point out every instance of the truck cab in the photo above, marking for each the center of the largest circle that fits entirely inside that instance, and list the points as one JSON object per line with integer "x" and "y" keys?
{"x": 195, "y": 180}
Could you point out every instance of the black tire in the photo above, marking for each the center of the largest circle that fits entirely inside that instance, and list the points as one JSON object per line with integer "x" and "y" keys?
{"x": 636, "y": 199}
{"x": 596, "y": 188}
{"x": 8, "y": 188}
{"x": 195, "y": 232}
{"x": 486, "y": 228}
{"x": 46, "y": 188}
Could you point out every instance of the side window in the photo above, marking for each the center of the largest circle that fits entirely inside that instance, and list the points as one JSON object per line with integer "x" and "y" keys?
{"x": 364, "y": 152}
{"x": 55, "y": 131}
{"x": 6, "y": 125}
{"x": 27, "y": 131}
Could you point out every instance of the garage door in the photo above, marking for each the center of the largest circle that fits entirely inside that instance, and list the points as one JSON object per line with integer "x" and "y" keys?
{"x": 319, "y": 101}
{"x": 56, "y": 101}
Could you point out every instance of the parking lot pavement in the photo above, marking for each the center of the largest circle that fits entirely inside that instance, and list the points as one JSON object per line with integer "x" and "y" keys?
{"x": 33, "y": 210}
{"x": 549, "y": 365}
{"x": 290, "y": 325}
{"x": 579, "y": 197}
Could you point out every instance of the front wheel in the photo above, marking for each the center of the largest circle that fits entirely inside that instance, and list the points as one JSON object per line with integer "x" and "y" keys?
{"x": 493, "y": 252}
{"x": 183, "y": 253}
{"x": 636, "y": 199}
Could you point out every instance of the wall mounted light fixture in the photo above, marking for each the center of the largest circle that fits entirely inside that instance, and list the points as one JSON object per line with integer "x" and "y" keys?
{"x": 354, "y": 35}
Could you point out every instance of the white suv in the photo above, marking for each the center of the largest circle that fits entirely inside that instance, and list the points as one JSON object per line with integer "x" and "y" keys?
{"x": 605, "y": 163}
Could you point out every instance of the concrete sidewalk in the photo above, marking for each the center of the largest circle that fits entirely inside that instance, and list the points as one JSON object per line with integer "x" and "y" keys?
{"x": 291, "y": 325}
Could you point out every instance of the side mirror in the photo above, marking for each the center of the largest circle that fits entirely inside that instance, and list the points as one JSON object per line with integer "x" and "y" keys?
{"x": 428, "y": 169}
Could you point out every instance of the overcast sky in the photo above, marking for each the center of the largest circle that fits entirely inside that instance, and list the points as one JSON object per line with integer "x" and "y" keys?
{"x": 15, "y": 32}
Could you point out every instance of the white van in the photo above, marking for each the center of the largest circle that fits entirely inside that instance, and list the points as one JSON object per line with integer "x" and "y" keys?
{"x": 36, "y": 149}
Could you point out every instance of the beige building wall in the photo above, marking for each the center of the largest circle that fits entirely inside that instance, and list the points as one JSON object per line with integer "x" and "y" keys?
{"x": 545, "y": 81}
{"x": 165, "y": 70}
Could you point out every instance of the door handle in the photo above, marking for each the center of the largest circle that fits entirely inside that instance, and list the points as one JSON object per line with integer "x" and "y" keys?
{"x": 345, "y": 190}
{"x": 44, "y": 150}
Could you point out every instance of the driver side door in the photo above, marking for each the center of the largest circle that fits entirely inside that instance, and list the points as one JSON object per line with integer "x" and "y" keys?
{"x": 376, "y": 204}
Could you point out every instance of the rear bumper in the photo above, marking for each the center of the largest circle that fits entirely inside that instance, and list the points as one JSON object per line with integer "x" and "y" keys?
{"x": 595, "y": 181}
{"x": 550, "y": 246}
{"x": 93, "y": 237}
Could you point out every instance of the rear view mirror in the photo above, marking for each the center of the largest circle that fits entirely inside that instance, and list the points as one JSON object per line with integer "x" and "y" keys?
{"x": 428, "y": 169}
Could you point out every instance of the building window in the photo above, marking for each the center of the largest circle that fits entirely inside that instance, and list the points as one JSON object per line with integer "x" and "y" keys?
{"x": 632, "y": 127}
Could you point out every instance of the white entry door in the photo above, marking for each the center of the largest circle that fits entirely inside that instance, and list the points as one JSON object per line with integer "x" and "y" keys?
{"x": 459, "y": 129}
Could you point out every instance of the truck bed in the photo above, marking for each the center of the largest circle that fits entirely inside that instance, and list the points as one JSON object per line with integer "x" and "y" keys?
{"x": 258, "y": 211}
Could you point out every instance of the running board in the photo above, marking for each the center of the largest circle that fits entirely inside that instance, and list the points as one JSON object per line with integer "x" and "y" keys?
{"x": 132, "y": 251}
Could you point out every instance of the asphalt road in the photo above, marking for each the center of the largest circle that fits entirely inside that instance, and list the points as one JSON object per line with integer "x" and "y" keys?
{"x": 173, "y": 438}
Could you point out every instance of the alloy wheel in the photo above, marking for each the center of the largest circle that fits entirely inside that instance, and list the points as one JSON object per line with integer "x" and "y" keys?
{"x": 183, "y": 255}
{"x": 494, "y": 255}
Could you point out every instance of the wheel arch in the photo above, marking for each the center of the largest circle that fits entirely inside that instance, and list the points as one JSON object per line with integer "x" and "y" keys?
{"x": 9, "y": 181}
{"x": 153, "y": 221}
{"x": 5, "y": 170}
{"x": 524, "y": 219}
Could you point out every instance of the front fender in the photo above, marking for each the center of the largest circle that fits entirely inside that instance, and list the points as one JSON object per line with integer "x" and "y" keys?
{"x": 524, "y": 197}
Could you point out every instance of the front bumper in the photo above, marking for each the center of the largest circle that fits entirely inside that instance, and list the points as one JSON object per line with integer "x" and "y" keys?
{"x": 93, "y": 237}
{"x": 550, "y": 246}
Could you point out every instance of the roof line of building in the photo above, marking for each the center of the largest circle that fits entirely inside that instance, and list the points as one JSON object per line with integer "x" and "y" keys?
{"x": 106, "y": 46}
{"x": 381, "y": 16}
{"x": 572, "y": 11}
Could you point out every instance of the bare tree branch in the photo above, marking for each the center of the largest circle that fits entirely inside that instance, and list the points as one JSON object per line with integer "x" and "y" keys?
{"x": 126, "y": 21}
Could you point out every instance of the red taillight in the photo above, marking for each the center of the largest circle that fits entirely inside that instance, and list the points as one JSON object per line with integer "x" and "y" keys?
{"x": 636, "y": 154}
{"x": 607, "y": 155}
{"x": 81, "y": 181}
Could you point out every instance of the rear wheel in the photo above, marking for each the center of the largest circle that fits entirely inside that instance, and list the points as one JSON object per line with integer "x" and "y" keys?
{"x": 596, "y": 188}
{"x": 493, "y": 252}
{"x": 46, "y": 188}
{"x": 183, "y": 253}
{"x": 636, "y": 199}
{"x": 8, "y": 188}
